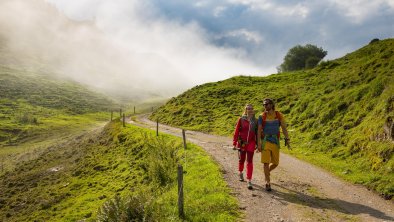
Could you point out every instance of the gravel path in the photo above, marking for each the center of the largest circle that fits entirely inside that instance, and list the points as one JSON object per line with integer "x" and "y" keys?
{"x": 301, "y": 191}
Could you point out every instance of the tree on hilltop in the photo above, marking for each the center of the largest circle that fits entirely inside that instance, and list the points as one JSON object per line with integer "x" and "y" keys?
{"x": 302, "y": 57}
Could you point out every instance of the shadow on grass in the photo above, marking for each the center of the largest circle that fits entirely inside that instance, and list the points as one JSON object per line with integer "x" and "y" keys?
{"x": 293, "y": 196}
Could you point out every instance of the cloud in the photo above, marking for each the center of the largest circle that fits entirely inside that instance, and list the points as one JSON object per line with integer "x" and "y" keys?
{"x": 359, "y": 11}
{"x": 338, "y": 26}
{"x": 298, "y": 10}
{"x": 170, "y": 46}
{"x": 79, "y": 10}
{"x": 249, "y": 36}
{"x": 123, "y": 46}
{"x": 218, "y": 11}
{"x": 184, "y": 45}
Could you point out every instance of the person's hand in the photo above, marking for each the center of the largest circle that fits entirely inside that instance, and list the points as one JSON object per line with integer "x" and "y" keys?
{"x": 287, "y": 143}
{"x": 258, "y": 148}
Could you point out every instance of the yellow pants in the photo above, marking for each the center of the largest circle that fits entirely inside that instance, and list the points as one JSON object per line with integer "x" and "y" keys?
{"x": 270, "y": 153}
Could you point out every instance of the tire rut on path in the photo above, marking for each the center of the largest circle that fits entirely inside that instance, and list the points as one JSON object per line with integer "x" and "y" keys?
{"x": 301, "y": 191}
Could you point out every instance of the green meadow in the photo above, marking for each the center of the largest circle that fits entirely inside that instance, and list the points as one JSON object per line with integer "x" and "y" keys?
{"x": 61, "y": 159}
{"x": 119, "y": 173}
{"x": 35, "y": 105}
{"x": 336, "y": 113}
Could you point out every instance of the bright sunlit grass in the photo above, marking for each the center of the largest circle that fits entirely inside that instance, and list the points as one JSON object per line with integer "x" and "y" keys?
{"x": 73, "y": 181}
{"x": 335, "y": 113}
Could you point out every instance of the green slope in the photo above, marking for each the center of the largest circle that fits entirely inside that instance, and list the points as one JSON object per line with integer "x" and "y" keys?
{"x": 33, "y": 104}
{"x": 77, "y": 180}
{"x": 336, "y": 112}
{"x": 44, "y": 91}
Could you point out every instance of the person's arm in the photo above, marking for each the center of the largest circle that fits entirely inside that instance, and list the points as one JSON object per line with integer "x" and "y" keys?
{"x": 255, "y": 136}
{"x": 259, "y": 130}
{"x": 236, "y": 133}
{"x": 284, "y": 130}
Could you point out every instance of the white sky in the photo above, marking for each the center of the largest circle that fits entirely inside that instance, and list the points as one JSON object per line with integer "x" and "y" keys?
{"x": 167, "y": 47}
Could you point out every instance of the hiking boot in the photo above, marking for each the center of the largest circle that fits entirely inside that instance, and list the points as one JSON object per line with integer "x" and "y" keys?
{"x": 241, "y": 176}
{"x": 268, "y": 187}
{"x": 250, "y": 185}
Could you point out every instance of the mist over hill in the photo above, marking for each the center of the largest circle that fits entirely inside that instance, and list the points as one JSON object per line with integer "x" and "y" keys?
{"x": 35, "y": 36}
{"x": 342, "y": 110}
{"x": 117, "y": 52}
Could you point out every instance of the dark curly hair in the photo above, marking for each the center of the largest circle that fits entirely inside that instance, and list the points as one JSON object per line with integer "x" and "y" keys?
{"x": 268, "y": 100}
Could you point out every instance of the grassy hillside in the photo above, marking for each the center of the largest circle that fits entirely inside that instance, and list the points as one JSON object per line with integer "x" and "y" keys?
{"x": 35, "y": 105}
{"x": 40, "y": 90}
{"x": 336, "y": 112}
{"x": 105, "y": 175}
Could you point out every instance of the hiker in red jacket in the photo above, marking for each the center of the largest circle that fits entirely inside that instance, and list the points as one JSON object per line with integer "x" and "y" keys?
{"x": 245, "y": 141}
{"x": 269, "y": 123}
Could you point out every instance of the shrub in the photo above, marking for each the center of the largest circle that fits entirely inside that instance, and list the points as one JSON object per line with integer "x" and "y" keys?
{"x": 129, "y": 208}
{"x": 162, "y": 160}
{"x": 26, "y": 118}
{"x": 377, "y": 89}
{"x": 374, "y": 40}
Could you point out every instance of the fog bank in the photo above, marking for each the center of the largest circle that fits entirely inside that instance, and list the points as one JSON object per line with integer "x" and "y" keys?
{"x": 119, "y": 47}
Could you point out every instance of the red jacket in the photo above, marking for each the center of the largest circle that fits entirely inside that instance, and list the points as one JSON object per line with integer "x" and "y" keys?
{"x": 245, "y": 132}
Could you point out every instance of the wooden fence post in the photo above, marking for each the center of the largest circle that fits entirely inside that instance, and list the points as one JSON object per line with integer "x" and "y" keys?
{"x": 120, "y": 112}
{"x": 124, "y": 120}
{"x": 180, "y": 191}
{"x": 134, "y": 109}
{"x": 157, "y": 127}
{"x": 2, "y": 164}
{"x": 184, "y": 138}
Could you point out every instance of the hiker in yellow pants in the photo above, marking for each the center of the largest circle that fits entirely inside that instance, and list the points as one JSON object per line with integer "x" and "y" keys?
{"x": 268, "y": 137}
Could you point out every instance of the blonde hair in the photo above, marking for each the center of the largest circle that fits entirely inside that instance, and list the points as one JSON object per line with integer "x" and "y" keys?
{"x": 245, "y": 110}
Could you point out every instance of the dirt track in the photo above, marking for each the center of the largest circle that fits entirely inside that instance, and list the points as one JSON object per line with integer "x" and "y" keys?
{"x": 301, "y": 192}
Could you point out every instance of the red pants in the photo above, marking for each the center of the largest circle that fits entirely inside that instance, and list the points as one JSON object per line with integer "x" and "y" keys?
{"x": 249, "y": 165}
